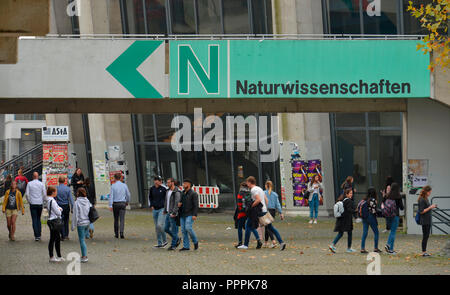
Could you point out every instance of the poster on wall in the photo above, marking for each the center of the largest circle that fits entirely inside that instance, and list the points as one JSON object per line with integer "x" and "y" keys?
{"x": 302, "y": 173}
{"x": 417, "y": 173}
{"x": 100, "y": 170}
{"x": 54, "y": 163}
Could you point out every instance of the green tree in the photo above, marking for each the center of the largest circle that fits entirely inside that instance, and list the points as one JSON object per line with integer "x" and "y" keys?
{"x": 434, "y": 17}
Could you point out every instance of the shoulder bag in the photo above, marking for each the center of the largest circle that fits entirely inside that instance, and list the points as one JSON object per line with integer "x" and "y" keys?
{"x": 54, "y": 224}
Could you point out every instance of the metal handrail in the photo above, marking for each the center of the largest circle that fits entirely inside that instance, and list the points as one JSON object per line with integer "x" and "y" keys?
{"x": 440, "y": 214}
{"x": 231, "y": 36}
{"x": 29, "y": 159}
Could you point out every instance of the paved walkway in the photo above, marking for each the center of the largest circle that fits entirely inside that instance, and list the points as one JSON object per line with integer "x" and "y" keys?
{"x": 306, "y": 252}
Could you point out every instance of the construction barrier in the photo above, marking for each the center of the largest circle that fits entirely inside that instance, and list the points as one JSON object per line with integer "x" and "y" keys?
{"x": 208, "y": 196}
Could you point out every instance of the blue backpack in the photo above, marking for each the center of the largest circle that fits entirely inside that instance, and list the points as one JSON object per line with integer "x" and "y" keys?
{"x": 418, "y": 217}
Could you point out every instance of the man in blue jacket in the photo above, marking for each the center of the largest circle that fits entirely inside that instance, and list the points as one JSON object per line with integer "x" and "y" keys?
{"x": 156, "y": 198}
{"x": 64, "y": 200}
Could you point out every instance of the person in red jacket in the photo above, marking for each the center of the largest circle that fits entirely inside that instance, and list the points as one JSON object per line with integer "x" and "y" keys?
{"x": 240, "y": 215}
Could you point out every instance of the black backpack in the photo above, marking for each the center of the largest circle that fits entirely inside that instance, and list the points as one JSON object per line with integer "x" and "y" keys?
{"x": 247, "y": 200}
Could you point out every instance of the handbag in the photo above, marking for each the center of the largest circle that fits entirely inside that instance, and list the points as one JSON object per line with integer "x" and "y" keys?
{"x": 93, "y": 214}
{"x": 266, "y": 219}
{"x": 54, "y": 224}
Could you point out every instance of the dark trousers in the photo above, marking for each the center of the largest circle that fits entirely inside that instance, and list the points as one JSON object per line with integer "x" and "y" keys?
{"x": 426, "y": 229}
{"x": 240, "y": 228}
{"x": 36, "y": 211}
{"x": 339, "y": 236}
{"x": 55, "y": 240}
{"x": 65, "y": 219}
{"x": 119, "y": 209}
{"x": 268, "y": 232}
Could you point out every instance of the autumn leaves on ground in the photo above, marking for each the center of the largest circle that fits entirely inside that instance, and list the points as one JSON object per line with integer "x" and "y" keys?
{"x": 306, "y": 253}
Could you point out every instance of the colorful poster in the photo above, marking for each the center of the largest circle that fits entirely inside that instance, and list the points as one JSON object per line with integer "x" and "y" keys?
{"x": 100, "y": 170}
{"x": 418, "y": 173}
{"x": 111, "y": 175}
{"x": 52, "y": 179}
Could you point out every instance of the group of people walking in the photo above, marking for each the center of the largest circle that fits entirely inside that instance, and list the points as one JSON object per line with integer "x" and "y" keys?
{"x": 368, "y": 210}
{"x": 174, "y": 207}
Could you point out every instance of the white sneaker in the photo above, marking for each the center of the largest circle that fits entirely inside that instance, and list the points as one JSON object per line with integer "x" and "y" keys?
{"x": 84, "y": 260}
{"x": 311, "y": 221}
{"x": 315, "y": 221}
{"x": 242, "y": 247}
{"x": 53, "y": 259}
{"x": 60, "y": 259}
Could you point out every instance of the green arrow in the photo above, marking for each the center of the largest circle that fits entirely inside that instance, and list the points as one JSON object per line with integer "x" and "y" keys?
{"x": 124, "y": 69}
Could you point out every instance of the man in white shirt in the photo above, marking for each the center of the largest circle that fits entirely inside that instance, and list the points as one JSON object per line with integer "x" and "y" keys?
{"x": 36, "y": 197}
{"x": 258, "y": 197}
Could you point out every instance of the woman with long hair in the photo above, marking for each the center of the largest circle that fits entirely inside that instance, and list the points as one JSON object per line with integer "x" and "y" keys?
{"x": 369, "y": 218}
{"x": 273, "y": 206}
{"x": 348, "y": 184}
{"x": 77, "y": 180}
{"x": 12, "y": 204}
{"x": 345, "y": 222}
{"x": 314, "y": 188}
{"x": 54, "y": 212}
{"x": 80, "y": 219}
{"x": 393, "y": 221}
{"x": 240, "y": 214}
{"x": 425, "y": 217}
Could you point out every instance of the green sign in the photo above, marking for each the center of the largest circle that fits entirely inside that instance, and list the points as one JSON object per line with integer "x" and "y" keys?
{"x": 124, "y": 69}
{"x": 298, "y": 69}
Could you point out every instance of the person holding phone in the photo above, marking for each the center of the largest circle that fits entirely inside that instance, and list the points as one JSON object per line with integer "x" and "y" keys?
{"x": 425, "y": 217}
{"x": 314, "y": 188}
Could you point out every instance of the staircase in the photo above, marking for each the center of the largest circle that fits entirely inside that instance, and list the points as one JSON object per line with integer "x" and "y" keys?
{"x": 29, "y": 161}
{"x": 441, "y": 215}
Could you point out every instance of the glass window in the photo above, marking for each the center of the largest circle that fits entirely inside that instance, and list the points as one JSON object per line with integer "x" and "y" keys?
{"x": 29, "y": 117}
{"x": 194, "y": 167}
{"x": 236, "y": 19}
{"x": 261, "y": 10}
{"x": 209, "y": 17}
{"x": 163, "y": 129}
{"x": 386, "y": 23}
{"x": 219, "y": 169}
{"x": 168, "y": 162}
{"x": 149, "y": 167}
{"x": 29, "y": 138}
{"x": 412, "y": 25}
{"x": 245, "y": 165}
{"x": 343, "y": 17}
{"x": 350, "y": 120}
{"x": 385, "y": 157}
{"x": 183, "y": 17}
{"x": 352, "y": 158}
{"x": 146, "y": 12}
{"x": 145, "y": 128}
{"x": 385, "y": 119}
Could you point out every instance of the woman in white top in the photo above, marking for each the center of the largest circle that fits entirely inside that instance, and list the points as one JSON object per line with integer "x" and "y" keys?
{"x": 80, "y": 219}
{"x": 54, "y": 212}
{"x": 314, "y": 188}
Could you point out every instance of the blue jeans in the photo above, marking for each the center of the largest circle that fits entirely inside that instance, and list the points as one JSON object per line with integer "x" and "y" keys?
{"x": 187, "y": 230}
{"x": 171, "y": 228}
{"x": 248, "y": 231}
{"x": 339, "y": 236}
{"x": 91, "y": 226}
{"x": 159, "y": 219}
{"x": 36, "y": 211}
{"x": 240, "y": 227}
{"x": 393, "y": 221}
{"x": 81, "y": 236}
{"x": 314, "y": 206}
{"x": 275, "y": 232}
{"x": 372, "y": 222}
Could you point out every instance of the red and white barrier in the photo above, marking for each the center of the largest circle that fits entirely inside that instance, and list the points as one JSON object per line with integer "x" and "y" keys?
{"x": 208, "y": 196}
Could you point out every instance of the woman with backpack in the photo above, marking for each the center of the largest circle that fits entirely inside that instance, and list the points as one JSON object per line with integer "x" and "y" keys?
{"x": 12, "y": 204}
{"x": 314, "y": 189}
{"x": 80, "y": 219}
{"x": 344, "y": 223}
{"x": 240, "y": 215}
{"x": 425, "y": 217}
{"x": 367, "y": 210}
{"x": 391, "y": 209}
{"x": 54, "y": 223}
